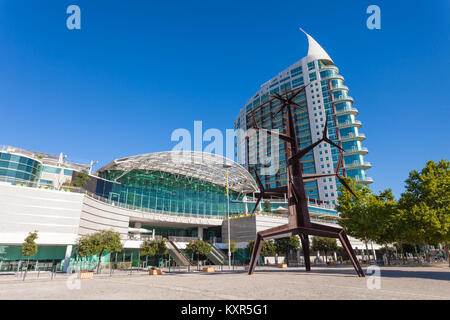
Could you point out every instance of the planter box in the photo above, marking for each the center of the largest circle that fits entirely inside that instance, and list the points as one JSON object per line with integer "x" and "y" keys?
{"x": 208, "y": 269}
{"x": 86, "y": 275}
{"x": 155, "y": 272}
{"x": 348, "y": 262}
{"x": 282, "y": 265}
{"x": 331, "y": 263}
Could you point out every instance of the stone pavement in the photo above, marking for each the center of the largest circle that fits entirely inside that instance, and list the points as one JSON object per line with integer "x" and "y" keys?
{"x": 339, "y": 282}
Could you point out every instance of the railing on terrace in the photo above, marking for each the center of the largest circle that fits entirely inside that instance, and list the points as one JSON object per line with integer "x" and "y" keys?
{"x": 355, "y": 149}
{"x": 342, "y": 97}
{"x": 281, "y": 216}
{"x": 345, "y": 110}
{"x": 357, "y": 164}
{"x": 143, "y": 237}
{"x": 311, "y": 202}
{"x": 358, "y": 178}
{"x": 182, "y": 239}
{"x": 345, "y": 123}
{"x": 352, "y": 135}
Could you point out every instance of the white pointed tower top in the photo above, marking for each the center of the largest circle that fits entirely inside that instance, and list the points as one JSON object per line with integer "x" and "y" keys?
{"x": 315, "y": 50}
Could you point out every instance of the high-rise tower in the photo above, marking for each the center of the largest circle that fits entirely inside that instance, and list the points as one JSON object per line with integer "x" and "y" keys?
{"x": 325, "y": 97}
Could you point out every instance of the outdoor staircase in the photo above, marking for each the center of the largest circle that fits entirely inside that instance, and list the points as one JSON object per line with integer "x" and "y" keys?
{"x": 177, "y": 255}
{"x": 216, "y": 256}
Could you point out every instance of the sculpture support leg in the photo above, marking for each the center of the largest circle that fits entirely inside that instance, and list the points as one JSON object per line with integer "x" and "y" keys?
{"x": 305, "y": 246}
{"x": 255, "y": 254}
{"x": 348, "y": 248}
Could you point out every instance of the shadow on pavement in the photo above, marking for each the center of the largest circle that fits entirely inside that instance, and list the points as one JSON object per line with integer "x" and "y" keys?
{"x": 389, "y": 273}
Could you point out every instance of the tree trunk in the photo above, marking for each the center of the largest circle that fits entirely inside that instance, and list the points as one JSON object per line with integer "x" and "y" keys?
{"x": 99, "y": 261}
{"x": 387, "y": 254}
{"x": 427, "y": 256}
{"x": 447, "y": 252}
{"x": 401, "y": 253}
{"x": 367, "y": 249}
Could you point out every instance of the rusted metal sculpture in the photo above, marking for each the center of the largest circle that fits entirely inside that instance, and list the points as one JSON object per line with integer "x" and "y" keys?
{"x": 299, "y": 222}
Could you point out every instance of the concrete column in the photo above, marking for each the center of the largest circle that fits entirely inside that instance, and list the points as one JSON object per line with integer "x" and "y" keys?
{"x": 67, "y": 257}
{"x": 244, "y": 199}
{"x": 374, "y": 253}
{"x": 138, "y": 225}
{"x": 200, "y": 233}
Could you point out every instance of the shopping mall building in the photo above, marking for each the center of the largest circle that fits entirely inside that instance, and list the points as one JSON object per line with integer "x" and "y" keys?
{"x": 177, "y": 196}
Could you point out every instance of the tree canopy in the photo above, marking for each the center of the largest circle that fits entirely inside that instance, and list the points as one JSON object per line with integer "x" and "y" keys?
{"x": 29, "y": 247}
{"x": 97, "y": 243}
{"x": 198, "y": 247}
{"x": 81, "y": 179}
{"x": 425, "y": 204}
{"x": 324, "y": 245}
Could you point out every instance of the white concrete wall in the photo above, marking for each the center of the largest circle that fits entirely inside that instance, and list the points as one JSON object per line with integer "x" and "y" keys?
{"x": 97, "y": 215}
{"x": 54, "y": 214}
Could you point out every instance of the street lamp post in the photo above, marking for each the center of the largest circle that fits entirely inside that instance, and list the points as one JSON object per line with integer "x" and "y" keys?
{"x": 227, "y": 166}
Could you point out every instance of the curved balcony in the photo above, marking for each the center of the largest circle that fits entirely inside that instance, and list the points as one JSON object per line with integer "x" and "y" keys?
{"x": 339, "y": 87}
{"x": 354, "y": 150}
{"x": 343, "y": 98}
{"x": 352, "y": 137}
{"x": 363, "y": 180}
{"x": 333, "y": 67}
{"x": 357, "y": 165}
{"x": 348, "y": 124}
{"x": 344, "y": 111}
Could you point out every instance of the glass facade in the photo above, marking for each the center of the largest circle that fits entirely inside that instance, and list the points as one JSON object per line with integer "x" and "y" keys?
{"x": 266, "y": 115}
{"x": 163, "y": 191}
{"x": 342, "y": 123}
{"x": 19, "y": 167}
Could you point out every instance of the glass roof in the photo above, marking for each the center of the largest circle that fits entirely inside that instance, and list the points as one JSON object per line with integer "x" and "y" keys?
{"x": 205, "y": 166}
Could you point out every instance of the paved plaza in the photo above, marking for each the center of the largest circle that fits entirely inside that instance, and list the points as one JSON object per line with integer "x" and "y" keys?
{"x": 340, "y": 282}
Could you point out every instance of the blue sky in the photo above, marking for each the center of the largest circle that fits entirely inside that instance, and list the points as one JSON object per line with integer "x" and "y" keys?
{"x": 137, "y": 70}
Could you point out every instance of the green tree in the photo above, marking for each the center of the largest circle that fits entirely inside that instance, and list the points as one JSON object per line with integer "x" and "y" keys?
{"x": 388, "y": 222}
{"x": 160, "y": 247}
{"x": 285, "y": 245}
{"x": 97, "y": 243}
{"x": 426, "y": 204}
{"x": 154, "y": 248}
{"x": 29, "y": 247}
{"x": 358, "y": 217}
{"x": 81, "y": 179}
{"x": 198, "y": 247}
{"x": 324, "y": 245}
{"x": 267, "y": 207}
{"x": 268, "y": 249}
{"x": 148, "y": 249}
